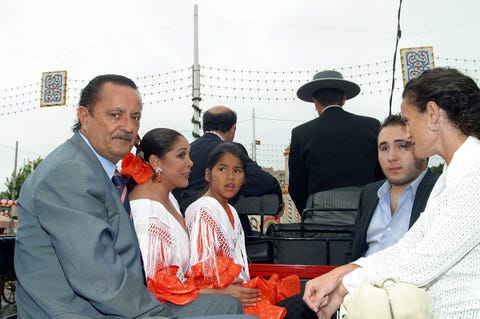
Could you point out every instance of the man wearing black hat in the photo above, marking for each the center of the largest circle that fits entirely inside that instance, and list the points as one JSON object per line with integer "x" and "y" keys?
{"x": 338, "y": 148}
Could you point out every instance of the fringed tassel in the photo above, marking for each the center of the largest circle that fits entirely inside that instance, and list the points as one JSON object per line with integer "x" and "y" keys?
{"x": 160, "y": 250}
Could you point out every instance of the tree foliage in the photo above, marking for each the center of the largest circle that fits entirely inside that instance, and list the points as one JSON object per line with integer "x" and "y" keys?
{"x": 22, "y": 175}
{"x": 437, "y": 169}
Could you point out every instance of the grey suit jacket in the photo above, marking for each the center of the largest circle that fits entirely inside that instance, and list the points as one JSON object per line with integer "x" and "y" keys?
{"x": 76, "y": 252}
{"x": 368, "y": 203}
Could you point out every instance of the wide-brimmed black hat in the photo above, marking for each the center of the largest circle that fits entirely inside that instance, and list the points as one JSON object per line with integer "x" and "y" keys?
{"x": 327, "y": 80}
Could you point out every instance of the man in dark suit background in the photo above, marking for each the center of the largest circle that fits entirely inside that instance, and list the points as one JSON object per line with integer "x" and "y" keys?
{"x": 219, "y": 124}
{"x": 76, "y": 251}
{"x": 388, "y": 208}
{"x": 337, "y": 149}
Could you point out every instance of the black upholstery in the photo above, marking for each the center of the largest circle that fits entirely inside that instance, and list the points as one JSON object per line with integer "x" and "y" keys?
{"x": 319, "y": 244}
{"x": 7, "y": 247}
{"x": 257, "y": 205}
{"x": 323, "y": 236}
{"x": 259, "y": 248}
{"x": 301, "y": 251}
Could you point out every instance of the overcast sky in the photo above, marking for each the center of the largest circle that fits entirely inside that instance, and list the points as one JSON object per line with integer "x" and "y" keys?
{"x": 259, "y": 51}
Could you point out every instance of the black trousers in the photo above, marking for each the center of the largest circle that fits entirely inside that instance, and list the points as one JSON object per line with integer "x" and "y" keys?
{"x": 298, "y": 309}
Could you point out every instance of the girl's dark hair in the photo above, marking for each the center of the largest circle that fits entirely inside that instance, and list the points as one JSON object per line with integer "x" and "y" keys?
{"x": 457, "y": 94}
{"x": 90, "y": 94}
{"x": 158, "y": 141}
{"x": 224, "y": 148}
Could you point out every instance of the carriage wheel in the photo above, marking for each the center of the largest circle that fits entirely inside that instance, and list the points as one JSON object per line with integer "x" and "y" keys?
{"x": 8, "y": 292}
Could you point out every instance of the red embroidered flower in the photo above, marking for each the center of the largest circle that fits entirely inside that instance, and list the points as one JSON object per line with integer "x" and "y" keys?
{"x": 134, "y": 166}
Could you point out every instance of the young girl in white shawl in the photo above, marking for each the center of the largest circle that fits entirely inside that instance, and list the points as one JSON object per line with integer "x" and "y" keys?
{"x": 218, "y": 256}
{"x": 213, "y": 224}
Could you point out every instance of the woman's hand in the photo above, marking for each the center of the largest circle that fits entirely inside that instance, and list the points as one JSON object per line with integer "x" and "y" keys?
{"x": 333, "y": 303}
{"x": 319, "y": 292}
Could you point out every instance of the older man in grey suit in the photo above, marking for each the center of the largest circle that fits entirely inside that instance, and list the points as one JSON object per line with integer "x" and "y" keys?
{"x": 76, "y": 253}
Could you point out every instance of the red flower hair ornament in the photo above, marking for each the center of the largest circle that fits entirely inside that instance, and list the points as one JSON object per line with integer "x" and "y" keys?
{"x": 137, "y": 168}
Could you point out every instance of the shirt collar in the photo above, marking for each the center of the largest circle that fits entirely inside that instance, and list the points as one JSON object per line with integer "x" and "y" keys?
{"x": 331, "y": 107}
{"x": 108, "y": 166}
{"x": 215, "y": 133}
{"x": 413, "y": 185}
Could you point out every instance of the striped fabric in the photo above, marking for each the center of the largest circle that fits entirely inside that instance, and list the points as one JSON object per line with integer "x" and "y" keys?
{"x": 117, "y": 180}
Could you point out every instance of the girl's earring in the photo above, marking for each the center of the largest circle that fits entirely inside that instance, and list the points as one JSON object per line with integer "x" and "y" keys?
{"x": 158, "y": 173}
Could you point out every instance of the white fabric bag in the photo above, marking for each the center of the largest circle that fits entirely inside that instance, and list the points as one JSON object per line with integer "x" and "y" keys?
{"x": 387, "y": 300}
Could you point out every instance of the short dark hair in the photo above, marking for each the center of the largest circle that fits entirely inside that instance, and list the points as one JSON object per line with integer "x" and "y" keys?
{"x": 457, "y": 94}
{"x": 221, "y": 121}
{"x": 224, "y": 148}
{"x": 90, "y": 93}
{"x": 393, "y": 120}
{"x": 329, "y": 96}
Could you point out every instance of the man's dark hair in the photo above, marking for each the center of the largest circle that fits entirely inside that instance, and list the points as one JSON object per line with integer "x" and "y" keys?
{"x": 393, "y": 120}
{"x": 221, "y": 121}
{"x": 328, "y": 97}
{"x": 91, "y": 93}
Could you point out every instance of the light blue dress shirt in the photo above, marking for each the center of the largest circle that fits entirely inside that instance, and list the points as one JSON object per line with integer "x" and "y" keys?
{"x": 108, "y": 166}
{"x": 384, "y": 229}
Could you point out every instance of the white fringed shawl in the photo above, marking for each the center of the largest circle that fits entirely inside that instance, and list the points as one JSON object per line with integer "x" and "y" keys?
{"x": 211, "y": 234}
{"x": 163, "y": 241}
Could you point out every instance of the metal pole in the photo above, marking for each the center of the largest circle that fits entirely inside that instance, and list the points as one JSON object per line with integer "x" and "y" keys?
{"x": 254, "y": 141}
{"x": 196, "y": 79}
{"x": 14, "y": 174}
{"x": 14, "y": 188}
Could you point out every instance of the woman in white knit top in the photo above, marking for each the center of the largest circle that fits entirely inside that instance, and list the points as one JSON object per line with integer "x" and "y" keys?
{"x": 442, "y": 250}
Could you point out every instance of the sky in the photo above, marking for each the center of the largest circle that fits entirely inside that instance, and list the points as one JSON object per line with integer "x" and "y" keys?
{"x": 254, "y": 55}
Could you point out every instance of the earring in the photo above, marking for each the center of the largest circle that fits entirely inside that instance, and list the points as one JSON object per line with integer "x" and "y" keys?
{"x": 158, "y": 173}
{"x": 433, "y": 127}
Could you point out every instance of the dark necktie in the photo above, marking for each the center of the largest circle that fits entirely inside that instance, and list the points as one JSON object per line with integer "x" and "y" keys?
{"x": 117, "y": 180}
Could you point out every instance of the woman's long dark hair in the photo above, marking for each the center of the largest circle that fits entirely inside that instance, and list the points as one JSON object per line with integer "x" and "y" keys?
{"x": 457, "y": 94}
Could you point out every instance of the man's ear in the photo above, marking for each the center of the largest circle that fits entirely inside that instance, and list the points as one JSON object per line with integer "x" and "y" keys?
{"x": 318, "y": 107}
{"x": 83, "y": 117}
{"x": 208, "y": 175}
{"x": 230, "y": 136}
